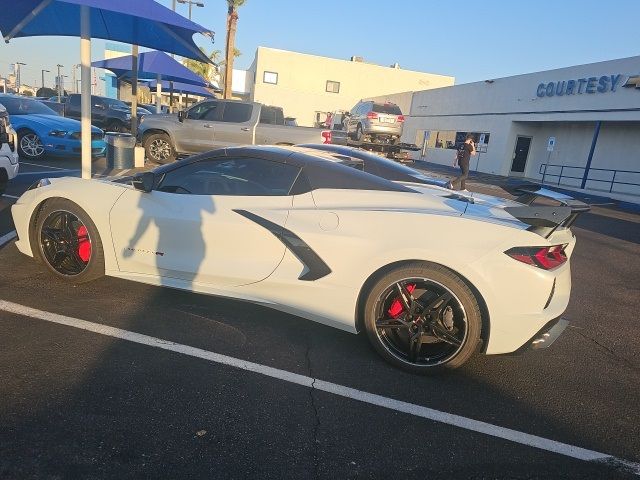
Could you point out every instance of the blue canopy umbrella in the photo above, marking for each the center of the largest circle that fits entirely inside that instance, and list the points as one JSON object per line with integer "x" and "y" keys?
{"x": 183, "y": 88}
{"x": 138, "y": 22}
{"x": 151, "y": 66}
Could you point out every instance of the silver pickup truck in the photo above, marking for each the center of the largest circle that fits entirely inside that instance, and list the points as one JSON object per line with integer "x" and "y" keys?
{"x": 217, "y": 123}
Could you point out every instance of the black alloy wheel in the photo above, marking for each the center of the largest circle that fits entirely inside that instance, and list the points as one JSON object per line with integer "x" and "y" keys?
{"x": 65, "y": 242}
{"x": 423, "y": 318}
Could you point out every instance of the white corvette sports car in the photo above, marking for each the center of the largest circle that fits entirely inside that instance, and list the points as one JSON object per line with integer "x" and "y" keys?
{"x": 430, "y": 275}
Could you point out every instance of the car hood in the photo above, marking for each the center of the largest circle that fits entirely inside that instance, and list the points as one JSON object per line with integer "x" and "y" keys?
{"x": 54, "y": 122}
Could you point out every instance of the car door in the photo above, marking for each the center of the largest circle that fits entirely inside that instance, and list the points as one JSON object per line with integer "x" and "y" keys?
{"x": 197, "y": 132}
{"x": 211, "y": 222}
{"x": 98, "y": 111}
{"x": 237, "y": 124}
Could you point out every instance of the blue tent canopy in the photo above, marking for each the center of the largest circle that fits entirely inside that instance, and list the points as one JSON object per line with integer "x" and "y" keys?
{"x": 150, "y": 66}
{"x": 182, "y": 88}
{"x": 138, "y": 22}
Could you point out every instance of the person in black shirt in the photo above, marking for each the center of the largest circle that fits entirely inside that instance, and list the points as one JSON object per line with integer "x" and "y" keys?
{"x": 463, "y": 156}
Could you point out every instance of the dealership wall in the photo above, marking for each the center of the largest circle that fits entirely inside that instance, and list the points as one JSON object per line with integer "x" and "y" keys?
{"x": 538, "y": 105}
{"x": 302, "y": 82}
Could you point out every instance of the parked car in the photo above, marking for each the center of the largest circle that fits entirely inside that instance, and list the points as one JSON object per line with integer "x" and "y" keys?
{"x": 432, "y": 280}
{"x": 219, "y": 123}
{"x": 374, "y": 122}
{"x": 8, "y": 155}
{"x": 109, "y": 114}
{"x": 41, "y": 131}
{"x": 380, "y": 166}
{"x": 152, "y": 108}
{"x": 55, "y": 106}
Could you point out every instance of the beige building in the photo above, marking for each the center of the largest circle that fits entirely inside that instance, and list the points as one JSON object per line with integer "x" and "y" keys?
{"x": 308, "y": 86}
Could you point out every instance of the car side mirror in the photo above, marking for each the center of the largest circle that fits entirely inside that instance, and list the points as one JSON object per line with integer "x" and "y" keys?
{"x": 144, "y": 181}
{"x": 182, "y": 115}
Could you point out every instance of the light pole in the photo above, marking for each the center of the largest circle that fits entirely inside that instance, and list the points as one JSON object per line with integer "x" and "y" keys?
{"x": 43, "y": 72}
{"x": 191, "y": 3}
{"x": 18, "y": 79}
{"x": 73, "y": 70}
{"x": 59, "y": 83}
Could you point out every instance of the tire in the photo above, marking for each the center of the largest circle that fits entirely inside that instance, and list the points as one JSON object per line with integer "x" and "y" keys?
{"x": 458, "y": 318}
{"x": 4, "y": 179}
{"x": 159, "y": 149}
{"x": 30, "y": 145}
{"x": 78, "y": 241}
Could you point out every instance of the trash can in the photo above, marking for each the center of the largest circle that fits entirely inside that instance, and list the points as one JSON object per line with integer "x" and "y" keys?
{"x": 120, "y": 150}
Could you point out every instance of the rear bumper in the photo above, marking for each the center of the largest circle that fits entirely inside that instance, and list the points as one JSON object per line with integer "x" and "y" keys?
{"x": 383, "y": 129}
{"x": 545, "y": 336}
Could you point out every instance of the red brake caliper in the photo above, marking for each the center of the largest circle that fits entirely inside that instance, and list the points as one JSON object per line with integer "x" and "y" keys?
{"x": 396, "y": 307}
{"x": 84, "y": 244}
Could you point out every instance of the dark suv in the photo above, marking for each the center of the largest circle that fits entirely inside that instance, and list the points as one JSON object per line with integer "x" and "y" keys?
{"x": 109, "y": 114}
{"x": 374, "y": 122}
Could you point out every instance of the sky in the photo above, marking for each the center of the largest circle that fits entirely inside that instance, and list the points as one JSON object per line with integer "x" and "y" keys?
{"x": 471, "y": 40}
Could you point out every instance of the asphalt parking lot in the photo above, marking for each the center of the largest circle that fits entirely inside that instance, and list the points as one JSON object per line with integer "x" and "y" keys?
{"x": 214, "y": 388}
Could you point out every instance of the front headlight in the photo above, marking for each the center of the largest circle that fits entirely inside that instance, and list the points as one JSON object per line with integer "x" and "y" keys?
{"x": 58, "y": 133}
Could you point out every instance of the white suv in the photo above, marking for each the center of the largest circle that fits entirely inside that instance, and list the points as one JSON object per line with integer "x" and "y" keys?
{"x": 8, "y": 154}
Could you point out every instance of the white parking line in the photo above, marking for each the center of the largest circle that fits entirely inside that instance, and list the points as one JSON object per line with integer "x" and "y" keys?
{"x": 508, "y": 434}
{"x": 43, "y": 166}
{"x": 60, "y": 170}
{"x": 7, "y": 237}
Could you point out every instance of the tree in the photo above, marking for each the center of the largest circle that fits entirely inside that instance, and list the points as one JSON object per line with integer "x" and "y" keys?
{"x": 232, "y": 25}
{"x": 208, "y": 71}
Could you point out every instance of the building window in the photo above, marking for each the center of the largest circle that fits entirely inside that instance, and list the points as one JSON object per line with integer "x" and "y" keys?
{"x": 333, "y": 87}
{"x": 453, "y": 140}
{"x": 270, "y": 77}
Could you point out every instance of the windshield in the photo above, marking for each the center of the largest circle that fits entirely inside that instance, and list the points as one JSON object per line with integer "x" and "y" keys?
{"x": 24, "y": 106}
{"x": 388, "y": 108}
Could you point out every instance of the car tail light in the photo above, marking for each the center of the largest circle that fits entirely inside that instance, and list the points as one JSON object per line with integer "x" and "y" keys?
{"x": 326, "y": 136}
{"x": 400, "y": 118}
{"x": 372, "y": 115}
{"x": 546, "y": 258}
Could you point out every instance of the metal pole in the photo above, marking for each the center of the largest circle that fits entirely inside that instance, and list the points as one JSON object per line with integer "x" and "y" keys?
{"x": 159, "y": 94}
{"x": 134, "y": 90}
{"x": 596, "y": 132}
{"x": 85, "y": 98}
{"x": 59, "y": 82}
{"x": 190, "y": 5}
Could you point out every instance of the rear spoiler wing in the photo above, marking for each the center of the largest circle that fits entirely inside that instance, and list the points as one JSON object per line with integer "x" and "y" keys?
{"x": 545, "y": 220}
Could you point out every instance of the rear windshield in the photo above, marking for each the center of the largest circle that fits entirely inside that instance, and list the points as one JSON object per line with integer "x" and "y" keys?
{"x": 389, "y": 108}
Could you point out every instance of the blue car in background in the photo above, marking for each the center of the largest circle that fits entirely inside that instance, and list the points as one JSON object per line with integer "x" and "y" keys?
{"x": 41, "y": 131}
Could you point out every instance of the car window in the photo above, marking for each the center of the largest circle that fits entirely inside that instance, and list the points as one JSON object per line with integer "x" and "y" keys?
{"x": 388, "y": 108}
{"x": 203, "y": 111}
{"x": 74, "y": 101}
{"x": 231, "y": 176}
{"x": 271, "y": 116}
{"x": 235, "y": 112}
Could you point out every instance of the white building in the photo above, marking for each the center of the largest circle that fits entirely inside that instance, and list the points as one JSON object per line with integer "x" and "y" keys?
{"x": 578, "y": 126}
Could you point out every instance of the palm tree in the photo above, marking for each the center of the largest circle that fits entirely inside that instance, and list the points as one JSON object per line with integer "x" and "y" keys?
{"x": 211, "y": 73}
{"x": 205, "y": 70}
{"x": 232, "y": 24}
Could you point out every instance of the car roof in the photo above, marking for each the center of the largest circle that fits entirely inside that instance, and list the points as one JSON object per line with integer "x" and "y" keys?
{"x": 321, "y": 170}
